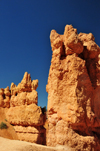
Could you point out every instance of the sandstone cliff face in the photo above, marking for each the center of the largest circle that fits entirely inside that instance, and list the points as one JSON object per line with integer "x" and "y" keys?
{"x": 74, "y": 91}
{"x": 23, "y": 112}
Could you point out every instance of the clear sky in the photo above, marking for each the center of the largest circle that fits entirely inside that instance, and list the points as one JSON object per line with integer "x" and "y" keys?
{"x": 25, "y": 27}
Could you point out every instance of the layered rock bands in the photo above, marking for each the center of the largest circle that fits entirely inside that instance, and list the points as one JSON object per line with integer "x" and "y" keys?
{"x": 23, "y": 112}
{"x": 74, "y": 91}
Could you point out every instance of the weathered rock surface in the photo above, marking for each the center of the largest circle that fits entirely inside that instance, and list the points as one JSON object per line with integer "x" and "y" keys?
{"x": 30, "y": 134}
{"x": 5, "y": 97}
{"x": 23, "y": 111}
{"x": 30, "y": 115}
{"x": 74, "y": 91}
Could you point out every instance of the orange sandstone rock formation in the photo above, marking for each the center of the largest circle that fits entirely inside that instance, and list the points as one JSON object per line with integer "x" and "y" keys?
{"x": 74, "y": 91}
{"x": 23, "y": 112}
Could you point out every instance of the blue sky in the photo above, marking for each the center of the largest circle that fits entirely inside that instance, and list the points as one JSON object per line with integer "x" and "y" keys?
{"x": 25, "y": 27}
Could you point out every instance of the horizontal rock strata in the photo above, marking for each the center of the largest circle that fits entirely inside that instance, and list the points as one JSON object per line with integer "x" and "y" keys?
{"x": 31, "y": 134}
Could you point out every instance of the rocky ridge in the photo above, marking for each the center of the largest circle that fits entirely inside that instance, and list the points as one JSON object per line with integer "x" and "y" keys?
{"x": 74, "y": 91}
{"x": 22, "y": 111}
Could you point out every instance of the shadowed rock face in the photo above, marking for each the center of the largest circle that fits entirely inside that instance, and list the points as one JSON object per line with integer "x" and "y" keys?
{"x": 74, "y": 91}
{"x": 23, "y": 112}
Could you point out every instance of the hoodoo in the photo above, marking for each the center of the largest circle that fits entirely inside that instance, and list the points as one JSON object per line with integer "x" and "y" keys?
{"x": 74, "y": 91}
{"x": 22, "y": 111}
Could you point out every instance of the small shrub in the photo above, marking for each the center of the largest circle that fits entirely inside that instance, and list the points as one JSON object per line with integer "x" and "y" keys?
{"x": 3, "y": 125}
{"x": 6, "y": 120}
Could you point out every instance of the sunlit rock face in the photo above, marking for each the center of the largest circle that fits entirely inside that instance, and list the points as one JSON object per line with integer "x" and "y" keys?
{"x": 74, "y": 91}
{"x": 23, "y": 112}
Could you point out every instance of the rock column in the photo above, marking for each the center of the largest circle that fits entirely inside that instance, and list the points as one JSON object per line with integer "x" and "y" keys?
{"x": 73, "y": 89}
